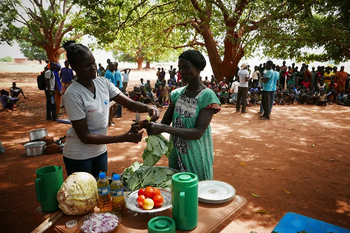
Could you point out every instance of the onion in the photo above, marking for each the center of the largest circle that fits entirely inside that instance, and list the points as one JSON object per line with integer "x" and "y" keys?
{"x": 100, "y": 223}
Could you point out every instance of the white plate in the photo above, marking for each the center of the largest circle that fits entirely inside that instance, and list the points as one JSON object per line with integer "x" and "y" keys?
{"x": 131, "y": 202}
{"x": 213, "y": 191}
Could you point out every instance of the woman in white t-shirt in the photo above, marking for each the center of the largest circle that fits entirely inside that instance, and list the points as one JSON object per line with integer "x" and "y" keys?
{"x": 86, "y": 101}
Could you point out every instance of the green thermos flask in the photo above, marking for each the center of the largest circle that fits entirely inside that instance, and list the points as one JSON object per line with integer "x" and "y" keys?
{"x": 185, "y": 200}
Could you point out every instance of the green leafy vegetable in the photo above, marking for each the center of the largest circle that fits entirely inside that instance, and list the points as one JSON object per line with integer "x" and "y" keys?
{"x": 145, "y": 176}
{"x": 157, "y": 146}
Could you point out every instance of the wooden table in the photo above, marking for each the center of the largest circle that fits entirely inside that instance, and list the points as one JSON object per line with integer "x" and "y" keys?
{"x": 211, "y": 218}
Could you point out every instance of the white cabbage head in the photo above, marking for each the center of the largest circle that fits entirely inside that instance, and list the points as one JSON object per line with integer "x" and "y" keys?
{"x": 78, "y": 194}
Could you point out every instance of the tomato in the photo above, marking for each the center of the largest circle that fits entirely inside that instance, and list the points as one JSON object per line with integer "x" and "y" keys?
{"x": 157, "y": 191}
{"x": 158, "y": 200}
{"x": 140, "y": 200}
{"x": 148, "y": 204}
{"x": 141, "y": 192}
{"x": 150, "y": 192}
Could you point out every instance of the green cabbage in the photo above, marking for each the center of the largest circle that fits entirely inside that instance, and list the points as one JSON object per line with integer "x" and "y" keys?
{"x": 78, "y": 194}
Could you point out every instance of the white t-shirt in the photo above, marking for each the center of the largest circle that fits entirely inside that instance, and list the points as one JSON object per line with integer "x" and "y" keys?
{"x": 255, "y": 75}
{"x": 80, "y": 103}
{"x": 125, "y": 77}
{"x": 50, "y": 75}
{"x": 242, "y": 74}
{"x": 234, "y": 87}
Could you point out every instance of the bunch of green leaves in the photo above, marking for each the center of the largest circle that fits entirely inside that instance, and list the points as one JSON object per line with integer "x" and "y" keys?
{"x": 144, "y": 176}
{"x": 157, "y": 146}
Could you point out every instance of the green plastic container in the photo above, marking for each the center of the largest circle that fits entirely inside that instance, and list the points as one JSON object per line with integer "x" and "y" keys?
{"x": 161, "y": 224}
{"x": 48, "y": 183}
{"x": 185, "y": 200}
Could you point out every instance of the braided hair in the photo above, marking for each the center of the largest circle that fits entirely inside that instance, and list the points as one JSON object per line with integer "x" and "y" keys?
{"x": 74, "y": 51}
{"x": 195, "y": 57}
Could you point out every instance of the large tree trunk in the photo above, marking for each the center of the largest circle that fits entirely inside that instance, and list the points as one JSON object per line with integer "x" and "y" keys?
{"x": 139, "y": 63}
{"x": 148, "y": 65}
{"x": 53, "y": 54}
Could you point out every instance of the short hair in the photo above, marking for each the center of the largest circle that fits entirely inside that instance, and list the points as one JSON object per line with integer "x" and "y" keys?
{"x": 74, "y": 51}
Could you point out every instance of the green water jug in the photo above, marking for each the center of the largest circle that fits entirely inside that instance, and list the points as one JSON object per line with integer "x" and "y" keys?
{"x": 185, "y": 200}
{"x": 48, "y": 183}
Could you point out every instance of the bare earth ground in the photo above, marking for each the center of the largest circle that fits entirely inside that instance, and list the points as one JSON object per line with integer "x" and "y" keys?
{"x": 296, "y": 162}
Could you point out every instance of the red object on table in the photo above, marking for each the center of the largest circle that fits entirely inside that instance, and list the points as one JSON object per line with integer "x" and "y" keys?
{"x": 212, "y": 218}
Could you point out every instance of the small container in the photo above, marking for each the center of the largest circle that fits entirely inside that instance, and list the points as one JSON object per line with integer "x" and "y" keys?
{"x": 37, "y": 134}
{"x": 161, "y": 224}
{"x": 35, "y": 148}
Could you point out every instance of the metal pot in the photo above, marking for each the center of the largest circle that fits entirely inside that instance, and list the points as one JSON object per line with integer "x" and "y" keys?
{"x": 35, "y": 148}
{"x": 37, "y": 134}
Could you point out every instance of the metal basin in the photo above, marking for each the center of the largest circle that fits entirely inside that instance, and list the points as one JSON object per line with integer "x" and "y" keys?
{"x": 37, "y": 134}
{"x": 35, "y": 148}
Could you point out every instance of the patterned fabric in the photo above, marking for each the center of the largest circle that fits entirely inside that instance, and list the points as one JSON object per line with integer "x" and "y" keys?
{"x": 196, "y": 156}
{"x": 195, "y": 57}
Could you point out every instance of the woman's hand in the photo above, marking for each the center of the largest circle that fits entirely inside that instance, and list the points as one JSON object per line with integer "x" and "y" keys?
{"x": 155, "y": 128}
{"x": 131, "y": 136}
{"x": 153, "y": 112}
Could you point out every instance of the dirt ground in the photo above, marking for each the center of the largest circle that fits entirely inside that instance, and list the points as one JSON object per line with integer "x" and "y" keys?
{"x": 297, "y": 162}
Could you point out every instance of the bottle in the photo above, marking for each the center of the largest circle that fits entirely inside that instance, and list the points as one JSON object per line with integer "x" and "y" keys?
{"x": 104, "y": 195}
{"x": 117, "y": 192}
{"x": 52, "y": 100}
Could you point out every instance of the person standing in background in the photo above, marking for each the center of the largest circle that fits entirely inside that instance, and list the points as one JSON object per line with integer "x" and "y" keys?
{"x": 256, "y": 76}
{"x": 313, "y": 78}
{"x": 243, "y": 76}
{"x": 276, "y": 77}
{"x": 66, "y": 76}
{"x": 58, "y": 90}
{"x": 126, "y": 77}
{"x": 267, "y": 89}
{"x": 118, "y": 83}
{"x": 50, "y": 93}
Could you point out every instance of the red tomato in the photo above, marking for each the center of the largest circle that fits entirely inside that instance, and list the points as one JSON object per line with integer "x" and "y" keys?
{"x": 157, "y": 191}
{"x": 141, "y": 192}
{"x": 140, "y": 200}
{"x": 149, "y": 192}
{"x": 158, "y": 200}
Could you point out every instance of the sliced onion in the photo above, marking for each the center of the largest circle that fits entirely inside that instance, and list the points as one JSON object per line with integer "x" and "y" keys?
{"x": 100, "y": 223}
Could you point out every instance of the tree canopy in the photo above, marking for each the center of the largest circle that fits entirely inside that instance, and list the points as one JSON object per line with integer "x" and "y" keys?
{"x": 226, "y": 30}
{"x": 326, "y": 30}
{"x": 32, "y": 52}
{"x": 43, "y": 24}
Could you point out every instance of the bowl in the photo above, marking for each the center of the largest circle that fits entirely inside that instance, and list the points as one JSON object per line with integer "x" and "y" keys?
{"x": 37, "y": 134}
{"x": 34, "y": 148}
{"x": 131, "y": 202}
{"x": 98, "y": 218}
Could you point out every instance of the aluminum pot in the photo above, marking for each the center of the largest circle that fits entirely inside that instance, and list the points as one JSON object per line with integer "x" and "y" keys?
{"x": 37, "y": 134}
{"x": 35, "y": 148}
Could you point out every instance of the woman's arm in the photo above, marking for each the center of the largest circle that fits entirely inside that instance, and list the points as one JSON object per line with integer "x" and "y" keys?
{"x": 81, "y": 129}
{"x": 203, "y": 120}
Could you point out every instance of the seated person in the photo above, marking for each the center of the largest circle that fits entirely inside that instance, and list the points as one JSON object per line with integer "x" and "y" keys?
{"x": 340, "y": 98}
{"x": 134, "y": 95}
{"x": 147, "y": 88}
{"x": 6, "y": 101}
{"x": 322, "y": 99}
{"x": 223, "y": 95}
{"x": 15, "y": 91}
{"x": 144, "y": 98}
{"x": 289, "y": 95}
{"x": 280, "y": 97}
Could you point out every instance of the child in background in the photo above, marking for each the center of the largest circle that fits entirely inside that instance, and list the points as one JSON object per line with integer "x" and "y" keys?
{"x": 280, "y": 98}
{"x": 322, "y": 99}
{"x": 223, "y": 95}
